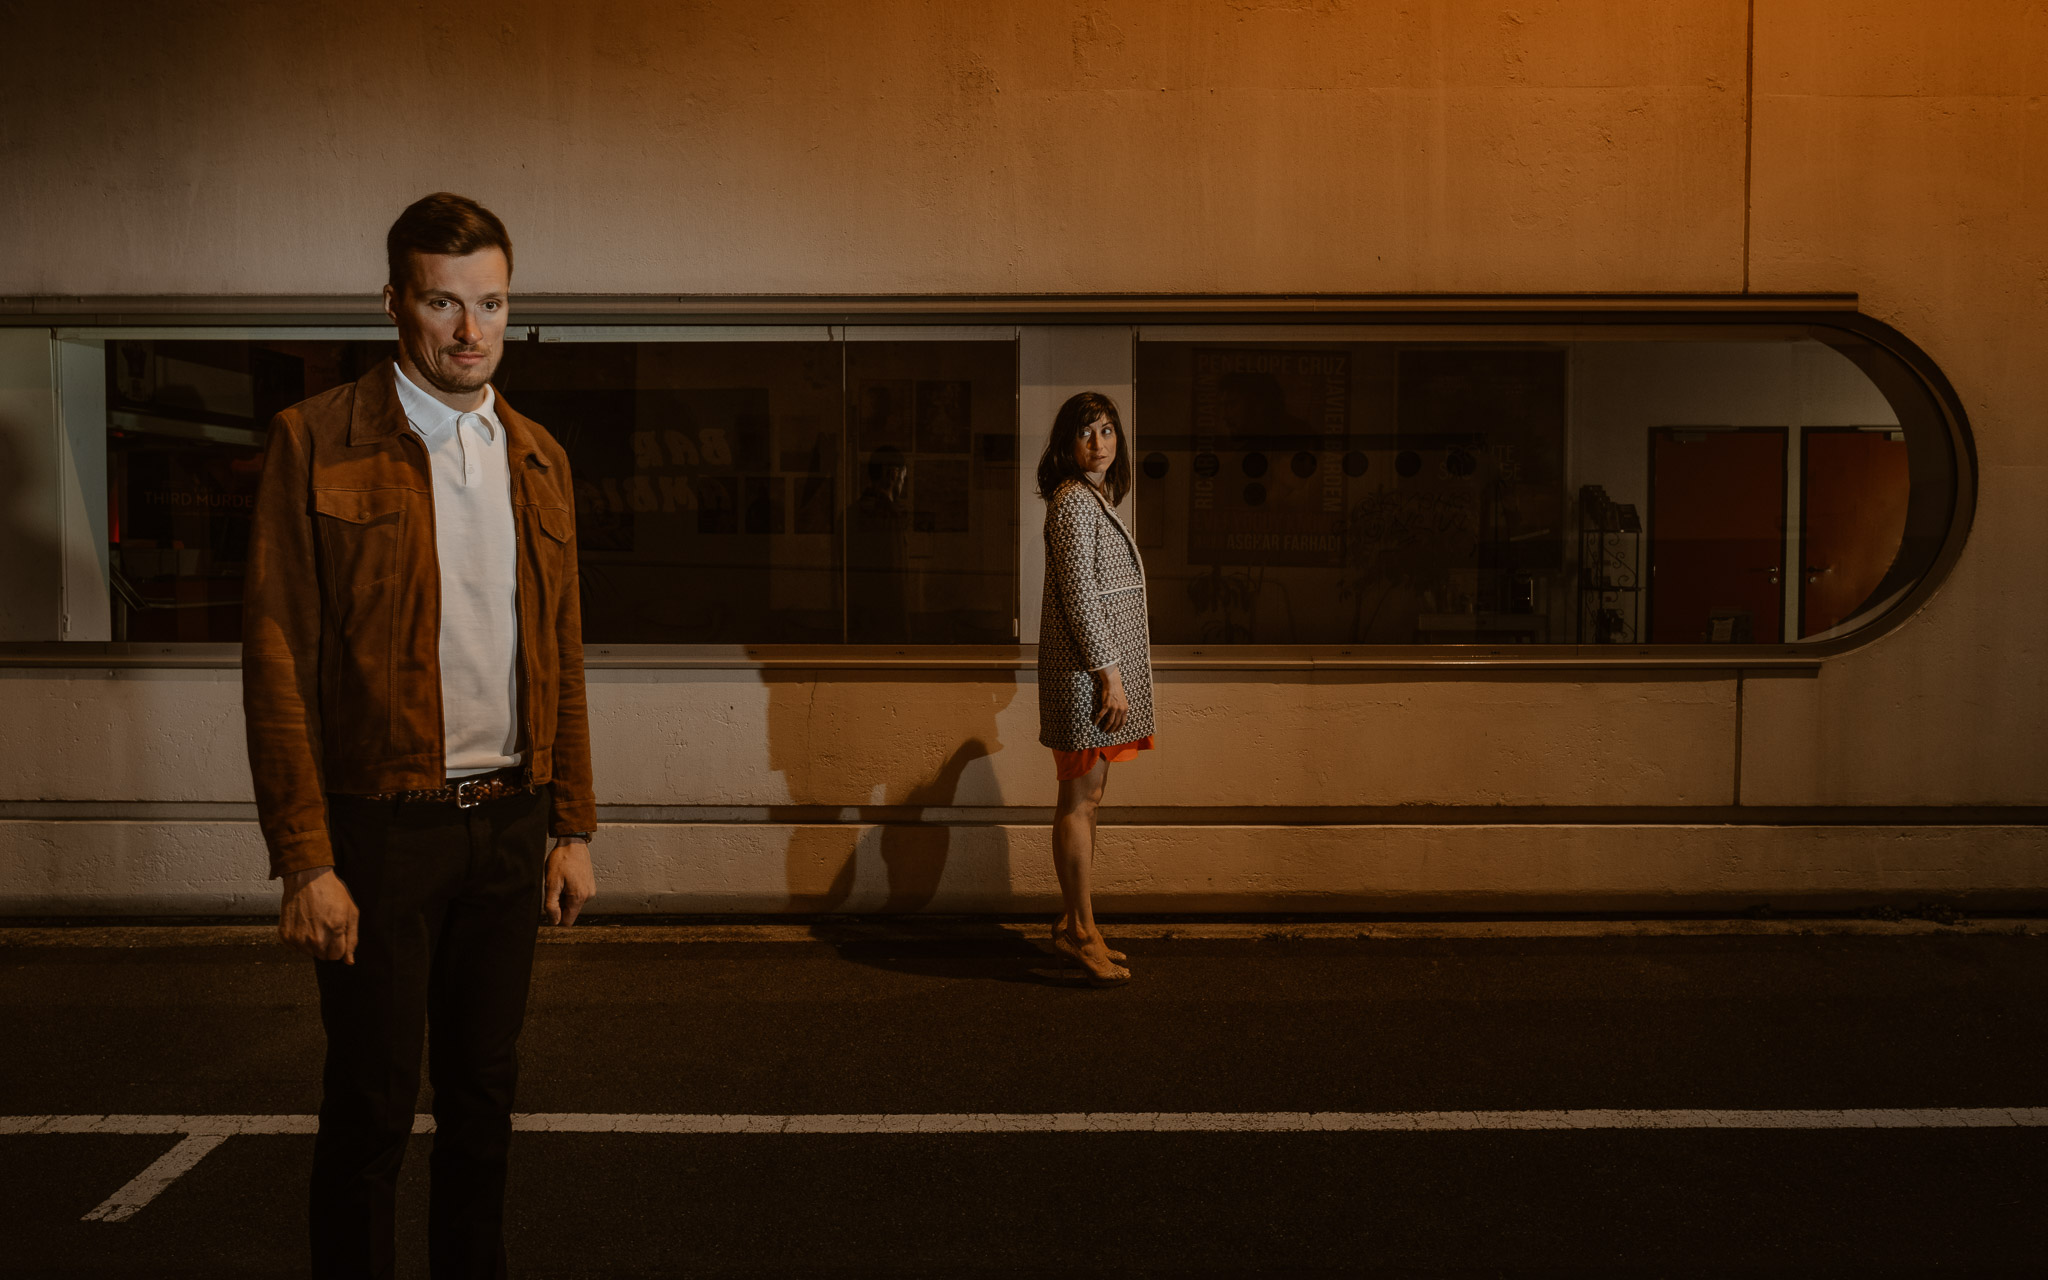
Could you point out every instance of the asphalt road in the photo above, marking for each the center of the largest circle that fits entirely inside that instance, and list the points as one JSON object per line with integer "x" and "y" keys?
{"x": 872, "y": 1024}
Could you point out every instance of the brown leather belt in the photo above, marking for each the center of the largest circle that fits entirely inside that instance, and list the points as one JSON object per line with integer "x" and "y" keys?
{"x": 467, "y": 793}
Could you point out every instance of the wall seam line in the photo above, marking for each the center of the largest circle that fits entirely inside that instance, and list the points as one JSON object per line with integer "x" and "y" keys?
{"x": 1737, "y": 799}
{"x": 1748, "y": 136}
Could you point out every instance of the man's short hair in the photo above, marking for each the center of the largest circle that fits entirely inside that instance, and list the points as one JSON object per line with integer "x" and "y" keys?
{"x": 441, "y": 223}
{"x": 885, "y": 458}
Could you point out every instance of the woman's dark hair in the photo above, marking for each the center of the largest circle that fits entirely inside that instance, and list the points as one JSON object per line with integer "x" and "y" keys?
{"x": 1056, "y": 465}
{"x": 441, "y": 223}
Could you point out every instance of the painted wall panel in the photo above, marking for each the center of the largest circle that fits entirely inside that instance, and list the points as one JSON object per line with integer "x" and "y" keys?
{"x": 806, "y": 146}
{"x": 123, "y": 735}
{"x": 1901, "y": 156}
{"x": 850, "y": 739}
{"x": 216, "y": 867}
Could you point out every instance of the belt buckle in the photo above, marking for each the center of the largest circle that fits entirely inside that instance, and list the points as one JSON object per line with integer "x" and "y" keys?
{"x": 464, "y": 793}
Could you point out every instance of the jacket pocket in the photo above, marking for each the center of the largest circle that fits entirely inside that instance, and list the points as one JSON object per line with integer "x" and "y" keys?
{"x": 558, "y": 523}
{"x": 361, "y": 539}
{"x": 547, "y": 531}
{"x": 361, "y": 535}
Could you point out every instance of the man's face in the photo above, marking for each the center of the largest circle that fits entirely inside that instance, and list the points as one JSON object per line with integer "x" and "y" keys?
{"x": 451, "y": 318}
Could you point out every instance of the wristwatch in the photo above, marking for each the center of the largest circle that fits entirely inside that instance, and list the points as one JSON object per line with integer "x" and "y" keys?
{"x": 584, "y": 836}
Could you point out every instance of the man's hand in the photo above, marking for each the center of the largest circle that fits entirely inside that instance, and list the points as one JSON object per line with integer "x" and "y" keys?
{"x": 570, "y": 881}
{"x": 319, "y": 917}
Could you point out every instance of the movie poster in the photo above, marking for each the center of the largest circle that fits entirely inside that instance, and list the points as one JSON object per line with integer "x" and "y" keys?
{"x": 1267, "y": 477}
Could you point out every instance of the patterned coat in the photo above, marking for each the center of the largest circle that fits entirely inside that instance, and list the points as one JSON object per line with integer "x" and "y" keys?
{"x": 1094, "y": 616}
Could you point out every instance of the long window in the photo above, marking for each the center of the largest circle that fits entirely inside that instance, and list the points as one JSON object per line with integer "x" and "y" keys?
{"x": 1713, "y": 480}
{"x": 803, "y": 489}
{"x": 1732, "y": 485}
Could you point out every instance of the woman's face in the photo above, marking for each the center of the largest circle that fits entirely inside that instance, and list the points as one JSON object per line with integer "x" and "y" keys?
{"x": 1095, "y": 447}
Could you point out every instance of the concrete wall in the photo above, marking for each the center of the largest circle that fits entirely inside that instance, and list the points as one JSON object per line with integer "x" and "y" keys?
{"x": 893, "y": 145}
{"x": 905, "y": 147}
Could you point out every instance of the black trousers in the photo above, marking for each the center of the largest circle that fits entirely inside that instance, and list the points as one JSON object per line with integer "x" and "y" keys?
{"x": 450, "y": 901}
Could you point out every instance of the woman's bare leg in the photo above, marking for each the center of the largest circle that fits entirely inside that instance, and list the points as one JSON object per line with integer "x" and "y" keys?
{"x": 1090, "y": 805}
{"x": 1073, "y": 858}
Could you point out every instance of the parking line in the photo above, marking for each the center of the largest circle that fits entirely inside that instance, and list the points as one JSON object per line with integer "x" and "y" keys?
{"x": 144, "y": 1186}
{"x": 200, "y": 1134}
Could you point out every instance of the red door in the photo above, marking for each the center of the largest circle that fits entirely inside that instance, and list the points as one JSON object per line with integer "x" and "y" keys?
{"x": 1717, "y": 535}
{"x": 1853, "y": 515}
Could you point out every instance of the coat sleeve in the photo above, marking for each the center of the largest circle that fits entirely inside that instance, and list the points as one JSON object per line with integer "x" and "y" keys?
{"x": 575, "y": 801}
{"x": 1073, "y": 531}
{"x": 281, "y": 657}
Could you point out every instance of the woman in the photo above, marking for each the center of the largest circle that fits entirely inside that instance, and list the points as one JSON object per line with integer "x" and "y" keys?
{"x": 1094, "y": 659}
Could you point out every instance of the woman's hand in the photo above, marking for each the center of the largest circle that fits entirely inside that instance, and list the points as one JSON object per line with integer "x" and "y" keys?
{"x": 1111, "y": 708}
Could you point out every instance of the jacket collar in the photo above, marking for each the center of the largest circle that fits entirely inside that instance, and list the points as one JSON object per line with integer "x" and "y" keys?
{"x": 1102, "y": 500}
{"x": 377, "y": 415}
{"x": 520, "y": 434}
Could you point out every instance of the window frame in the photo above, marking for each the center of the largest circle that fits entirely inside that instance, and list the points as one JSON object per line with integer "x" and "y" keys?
{"x": 93, "y": 320}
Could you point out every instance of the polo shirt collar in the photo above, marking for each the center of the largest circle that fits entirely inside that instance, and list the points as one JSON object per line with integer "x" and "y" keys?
{"x": 434, "y": 420}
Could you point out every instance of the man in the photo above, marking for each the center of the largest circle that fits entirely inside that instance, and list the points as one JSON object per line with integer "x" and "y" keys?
{"x": 412, "y": 674}
{"x": 878, "y": 553}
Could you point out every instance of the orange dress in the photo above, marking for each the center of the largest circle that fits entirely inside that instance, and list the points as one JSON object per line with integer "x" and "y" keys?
{"x": 1068, "y": 765}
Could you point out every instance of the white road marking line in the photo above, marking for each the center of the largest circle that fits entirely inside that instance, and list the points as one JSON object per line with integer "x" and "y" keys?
{"x": 144, "y": 1186}
{"x": 1288, "y": 1122}
{"x": 204, "y": 1133}
{"x": 224, "y": 1126}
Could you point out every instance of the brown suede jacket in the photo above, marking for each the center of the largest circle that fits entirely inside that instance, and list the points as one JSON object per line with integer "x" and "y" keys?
{"x": 341, "y": 674}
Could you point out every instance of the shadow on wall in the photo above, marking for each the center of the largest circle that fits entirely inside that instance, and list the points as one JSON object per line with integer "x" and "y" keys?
{"x": 30, "y": 553}
{"x": 881, "y": 743}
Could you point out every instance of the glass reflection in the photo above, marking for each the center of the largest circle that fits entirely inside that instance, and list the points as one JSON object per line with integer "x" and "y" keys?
{"x": 706, "y": 484}
{"x": 186, "y": 424}
{"x": 932, "y": 534}
{"x": 878, "y": 551}
{"x": 1718, "y": 489}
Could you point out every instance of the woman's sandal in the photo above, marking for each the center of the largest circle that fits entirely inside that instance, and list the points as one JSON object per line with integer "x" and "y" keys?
{"x": 1114, "y": 954}
{"x": 1110, "y": 976}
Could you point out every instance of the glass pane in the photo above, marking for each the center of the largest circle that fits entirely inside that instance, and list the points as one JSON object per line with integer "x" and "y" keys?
{"x": 1533, "y": 492}
{"x": 708, "y": 505}
{"x": 932, "y": 531}
{"x": 186, "y": 422}
{"x": 1856, "y": 485}
{"x": 1351, "y": 492}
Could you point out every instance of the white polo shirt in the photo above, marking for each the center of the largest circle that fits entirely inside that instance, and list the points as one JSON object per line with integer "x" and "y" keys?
{"x": 479, "y": 552}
